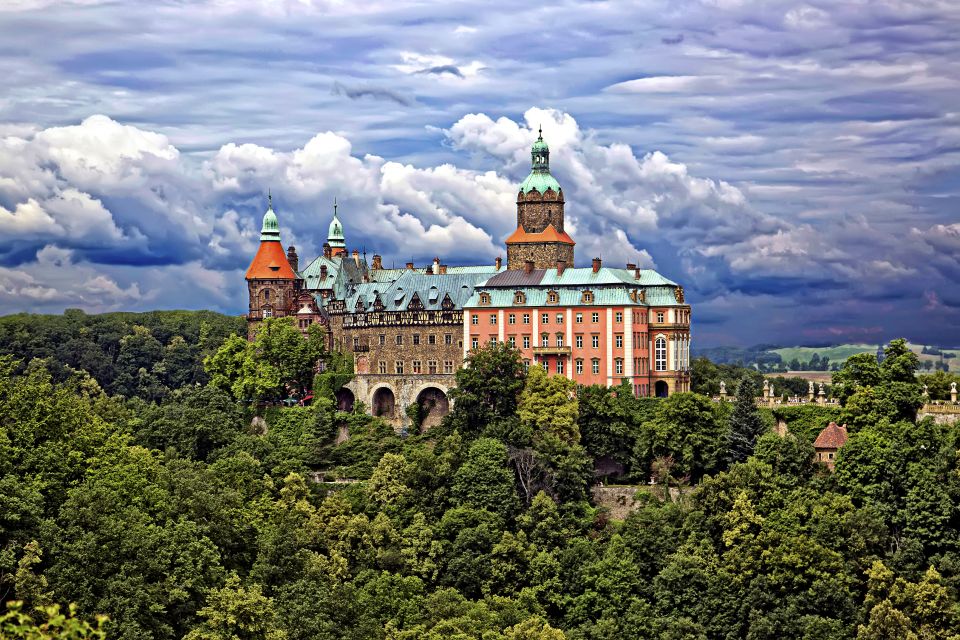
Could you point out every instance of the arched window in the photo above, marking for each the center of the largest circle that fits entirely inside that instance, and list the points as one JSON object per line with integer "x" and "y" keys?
{"x": 660, "y": 354}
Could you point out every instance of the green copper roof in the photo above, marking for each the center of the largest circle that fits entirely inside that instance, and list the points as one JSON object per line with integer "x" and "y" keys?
{"x": 335, "y": 234}
{"x": 539, "y": 181}
{"x": 539, "y": 178}
{"x": 271, "y": 227}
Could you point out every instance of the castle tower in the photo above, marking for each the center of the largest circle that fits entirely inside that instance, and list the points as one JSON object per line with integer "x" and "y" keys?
{"x": 539, "y": 237}
{"x": 338, "y": 244}
{"x": 271, "y": 281}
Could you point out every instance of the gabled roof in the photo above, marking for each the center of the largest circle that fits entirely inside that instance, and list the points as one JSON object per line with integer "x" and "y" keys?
{"x": 311, "y": 274}
{"x": 270, "y": 263}
{"x": 550, "y": 234}
{"x": 832, "y": 437}
{"x": 430, "y": 291}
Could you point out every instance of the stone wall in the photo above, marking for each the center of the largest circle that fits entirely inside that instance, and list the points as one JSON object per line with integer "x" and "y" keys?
{"x": 273, "y": 296}
{"x": 536, "y": 211}
{"x": 544, "y": 255}
{"x": 947, "y": 413}
{"x": 431, "y": 391}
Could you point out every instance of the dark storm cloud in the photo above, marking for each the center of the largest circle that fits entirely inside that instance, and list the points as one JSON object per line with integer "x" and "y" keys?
{"x": 442, "y": 69}
{"x": 677, "y": 39}
{"x": 377, "y": 93}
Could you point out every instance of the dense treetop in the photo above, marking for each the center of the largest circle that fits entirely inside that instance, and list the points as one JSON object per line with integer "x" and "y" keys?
{"x": 178, "y": 515}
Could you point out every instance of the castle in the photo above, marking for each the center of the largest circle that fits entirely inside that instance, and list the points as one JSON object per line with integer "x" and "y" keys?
{"x": 410, "y": 329}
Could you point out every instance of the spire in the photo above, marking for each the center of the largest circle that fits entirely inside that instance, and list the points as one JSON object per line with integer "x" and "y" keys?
{"x": 270, "y": 231}
{"x": 335, "y": 237}
{"x": 540, "y": 178}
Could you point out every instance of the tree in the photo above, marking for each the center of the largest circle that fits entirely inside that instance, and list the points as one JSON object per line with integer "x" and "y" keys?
{"x": 686, "y": 427}
{"x": 237, "y": 612}
{"x": 487, "y": 392}
{"x": 746, "y": 424}
{"x": 484, "y": 481}
{"x": 16, "y": 624}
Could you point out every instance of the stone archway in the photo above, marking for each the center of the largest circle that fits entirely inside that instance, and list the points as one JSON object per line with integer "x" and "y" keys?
{"x": 384, "y": 403}
{"x": 661, "y": 389}
{"x": 345, "y": 399}
{"x": 434, "y": 405}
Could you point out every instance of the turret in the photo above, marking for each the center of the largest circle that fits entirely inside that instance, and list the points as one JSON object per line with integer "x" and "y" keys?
{"x": 271, "y": 279}
{"x": 335, "y": 238}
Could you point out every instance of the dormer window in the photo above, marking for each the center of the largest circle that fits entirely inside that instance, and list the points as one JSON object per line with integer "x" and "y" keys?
{"x": 552, "y": 297}
{"x": 519, "y": 298}
{"x": 485, "y": 298}
{"x": 587, "y": 297}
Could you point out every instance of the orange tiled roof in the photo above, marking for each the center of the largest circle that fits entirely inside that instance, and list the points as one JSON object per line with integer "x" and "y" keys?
{"x": 270, "y": 262}
{"x": 550, "y": 234}
{"x": 832, "y": 437}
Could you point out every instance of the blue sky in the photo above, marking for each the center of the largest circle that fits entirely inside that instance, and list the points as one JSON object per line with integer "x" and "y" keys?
{"x": 793, "y": 164}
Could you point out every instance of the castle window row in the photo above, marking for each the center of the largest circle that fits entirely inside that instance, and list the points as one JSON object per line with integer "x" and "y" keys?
{"x": 416, "y": 366}
{"x": 415, "y": 339}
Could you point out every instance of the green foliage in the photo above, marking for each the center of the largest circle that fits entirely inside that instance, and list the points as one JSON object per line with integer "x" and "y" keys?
{"x": 183, "y": 514}
{"x": 746, "y": 424}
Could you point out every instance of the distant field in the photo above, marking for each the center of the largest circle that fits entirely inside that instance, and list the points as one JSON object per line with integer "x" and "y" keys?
{"x": 841, "y": 352}
{"x": 836, "y": 354}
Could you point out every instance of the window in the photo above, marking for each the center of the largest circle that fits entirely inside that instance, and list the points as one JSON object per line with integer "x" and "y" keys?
{"x": 513, "y": 342}
{"x": 619, "y": 341}
{"x": 595, "y": 366}
{"x": 416, "y": 366}
{"x": 595, "y": 317}
{"x": 552, "y": 297}
{"x": 447, "y": 338}
{"x": 493, "y": 318}
{"x": 659, "y": 316}
{"x": 587, "y": 297}
{"x": 660, "y": 354}
{"x": 545, "y": 340}
{"x": 526, "y": 365}
{"x": 526, "y": 342}
{"x": 474, "y": 342}
{"x": 559, "y": 339}
{"x": 416, "y": 338}
{"x": 493, "y": 340}
{"x": 579, "y": 366}
{"x": 618, "y": 317}
{"x": 579, "y": 318}
{"x": 519, "y": 298}
{"x": 398, "y": 366}
{"x": 512, "y": 318}
{"x": 579, "y": 341}
{"x": 356, "y": 343}
{"x": 383, "y": 339}
{"x": 544, "y": 318}
{"x": 383, "y": 366}
{"x": 431, "y": 366}
{"x": 399, "y": 339}
{"x": 474, "y": 319}
{"x": 526, "y": 318}
{"x": 560, "y": 365}
{"x": 619, "y": 366}
{"x": 484, "y": 298}
{"x": 432, "y": 339}
{"x": 448, "y": 366}
{"x": 559, "y": 318}
{"x": 595, "y": 341}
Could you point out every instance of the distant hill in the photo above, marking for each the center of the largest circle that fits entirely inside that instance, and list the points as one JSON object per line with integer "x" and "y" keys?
{"x": 774, "y": 358}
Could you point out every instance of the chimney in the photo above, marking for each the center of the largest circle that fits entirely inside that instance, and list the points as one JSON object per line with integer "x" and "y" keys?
{"x": 356, "y": 257}
{"x": 561, "y": 267}
{"x": 528, "y": 266}
{"x": 596, "y": 265}
{"x": 631, "y": 266}
{"x": 429, "y": 270}
{"x": 436, "y": 265}
{"x": 292, "y": 258}
{"x": 499, "y": 261}
{"x": 377, "y": 261}
{"x": 323, "y": 272}
{"x": 409, "y": 266}
{"x": 636, "y": 274}
{"x": 443, "y": 269}
{"x": 327, "y": 251}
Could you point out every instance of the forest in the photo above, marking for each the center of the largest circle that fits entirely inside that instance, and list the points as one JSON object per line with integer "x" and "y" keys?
{"x": 153, "y": 486}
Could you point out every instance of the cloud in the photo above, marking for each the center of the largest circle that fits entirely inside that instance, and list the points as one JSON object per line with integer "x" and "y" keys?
{"x": 378, "y": 93}
{"x": 677, "y": 39}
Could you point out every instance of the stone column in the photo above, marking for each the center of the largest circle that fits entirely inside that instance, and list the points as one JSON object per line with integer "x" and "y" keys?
{"x": 821, "y": 396}
{"x": 953, "y": 392}
{"x": 723, "y": 391}
{"x": 810, "y": 392}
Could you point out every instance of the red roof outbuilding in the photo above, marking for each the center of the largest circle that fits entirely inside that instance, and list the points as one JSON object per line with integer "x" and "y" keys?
{"x": 832, "y": 437}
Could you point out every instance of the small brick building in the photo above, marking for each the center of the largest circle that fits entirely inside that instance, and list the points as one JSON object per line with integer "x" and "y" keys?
{"x": 828, "y": 443}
